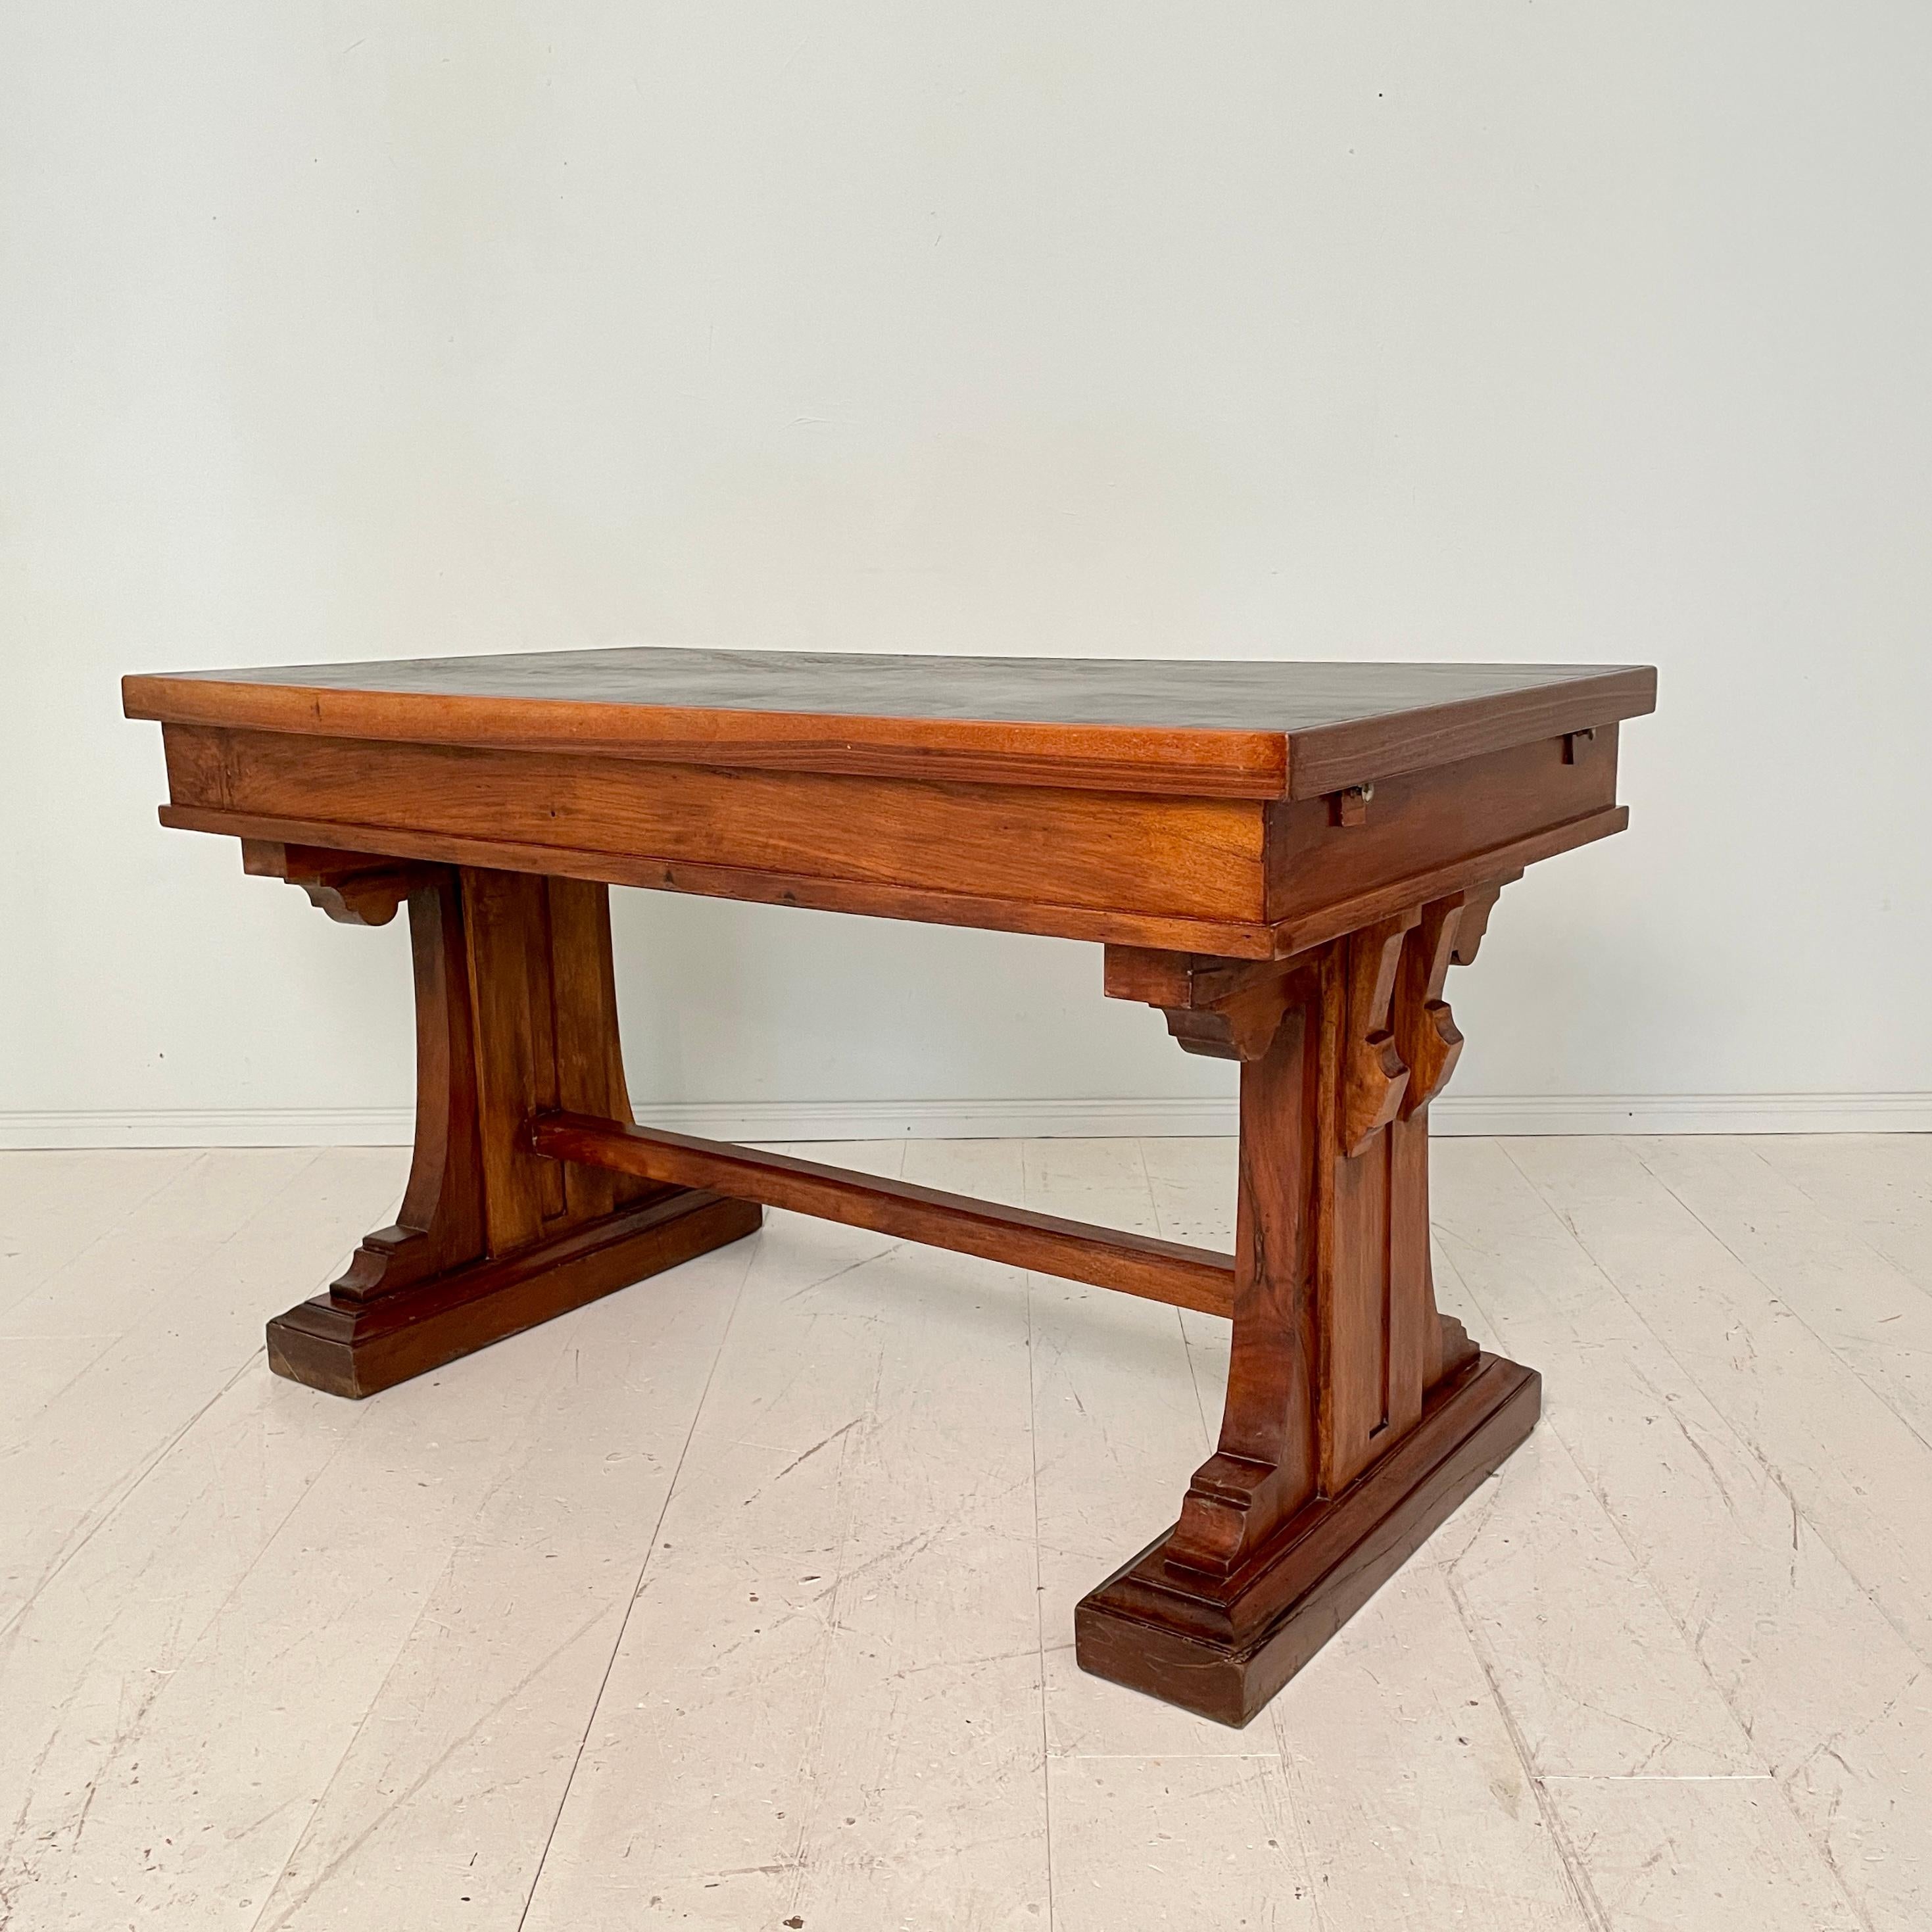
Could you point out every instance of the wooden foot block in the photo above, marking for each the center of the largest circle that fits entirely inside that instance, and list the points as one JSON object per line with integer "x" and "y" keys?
{"x": 1223, "y": 1647}
{"x": 354, "y": 1348}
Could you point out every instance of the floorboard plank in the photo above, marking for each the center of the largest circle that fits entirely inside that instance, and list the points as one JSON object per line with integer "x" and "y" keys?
{"x": 1597, "y": 1679}
{"x": 1872, "y": 1315}
{"x": 210, "y": 1792}
{"x": 1664, "y": 1854}
{"x": 1846, "y": 1460}
{"x": 439, "y": 1814}
{"x": 56, "y": 1205}
{"x": 254, "y": 1242}
{"x": 80, "y": 1670}
{"x": 1878, "y": 1186}
{"x": 1416, "y": 1806}
{"x": 1829, "y": 1692}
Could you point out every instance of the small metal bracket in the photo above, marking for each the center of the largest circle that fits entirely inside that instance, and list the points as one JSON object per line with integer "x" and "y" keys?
{"x": 1574, "y": 741}
{"x": 1350, "y": 807}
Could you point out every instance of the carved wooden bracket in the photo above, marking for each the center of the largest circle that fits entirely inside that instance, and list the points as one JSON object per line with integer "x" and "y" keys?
{"x": 1223, "y": 1009}
{"x": 353, "y": 888}
{"x": 1426, "y": 1031}
{"x": 1477, "y": 904}
{"x": 1238, "y": 1028}
{"x": 1448, "y": 933}
{"x": 1374, "y": 1078}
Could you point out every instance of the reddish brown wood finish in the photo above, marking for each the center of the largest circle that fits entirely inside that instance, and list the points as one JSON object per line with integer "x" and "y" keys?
{"x": 1193, "y": 729}
{"x": 1223, "y": 1647}
{"x": 1223, "y": 878}
{"x": 516, "y": 1013}
{"x": 1356, "y": 1417}
{"x": 1411, "y": 825}
{"x": 789, "y": 889}
{"x": 1184, "y": 1277}
{"x": 354, "y": 1348}
{"x": 1285, "y": 860}
{"x": 1188, "y": 858}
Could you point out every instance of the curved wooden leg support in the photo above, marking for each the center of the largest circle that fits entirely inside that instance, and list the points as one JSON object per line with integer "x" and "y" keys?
{"x": 516, "y": 1015}
{"x": 1357, "y": 1417}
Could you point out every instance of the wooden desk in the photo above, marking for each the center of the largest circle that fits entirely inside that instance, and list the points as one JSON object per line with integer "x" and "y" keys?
{"x": 1286, "y": 860}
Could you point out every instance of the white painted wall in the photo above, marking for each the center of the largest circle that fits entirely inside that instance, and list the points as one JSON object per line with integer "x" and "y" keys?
{"x": 1496, "y": 330}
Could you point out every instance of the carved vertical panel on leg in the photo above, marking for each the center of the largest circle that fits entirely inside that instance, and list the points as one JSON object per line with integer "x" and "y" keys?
{"x": 509, "y": 975}
{"x": 1373, "y": 1082}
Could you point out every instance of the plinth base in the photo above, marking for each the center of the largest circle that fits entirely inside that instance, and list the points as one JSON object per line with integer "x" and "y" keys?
{"x": 354, "y": 1348}
{"x": 1223, "y": 1647}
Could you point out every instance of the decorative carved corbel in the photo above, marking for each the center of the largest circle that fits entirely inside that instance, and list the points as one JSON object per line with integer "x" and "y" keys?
{"x": 1374, "y": 1076}
{"x": 1478, "y": 902}
{"x": 1426, "y": 1033}
{"x": 1222, "y": 1009}
{"x": 353, "y": 888}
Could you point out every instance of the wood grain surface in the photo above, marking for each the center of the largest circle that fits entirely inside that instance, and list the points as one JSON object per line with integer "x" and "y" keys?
{"x": 1256, "y": 730}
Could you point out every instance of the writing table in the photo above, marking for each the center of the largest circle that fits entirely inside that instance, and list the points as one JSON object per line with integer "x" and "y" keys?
{"x": 1284, "y": 859}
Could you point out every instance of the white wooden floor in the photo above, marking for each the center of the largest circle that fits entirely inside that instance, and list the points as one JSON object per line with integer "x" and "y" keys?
{"x": 743, "y": 1599}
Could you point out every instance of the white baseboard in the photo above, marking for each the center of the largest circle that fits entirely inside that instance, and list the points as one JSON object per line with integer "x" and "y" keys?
{"x": 984, "y": 1120}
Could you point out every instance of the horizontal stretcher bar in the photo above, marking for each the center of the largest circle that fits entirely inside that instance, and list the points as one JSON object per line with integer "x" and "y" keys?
{"x": 1182, "y": 1276}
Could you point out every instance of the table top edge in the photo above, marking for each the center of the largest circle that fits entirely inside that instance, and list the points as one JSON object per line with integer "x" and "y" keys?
{"x": 1262, "y": 761}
